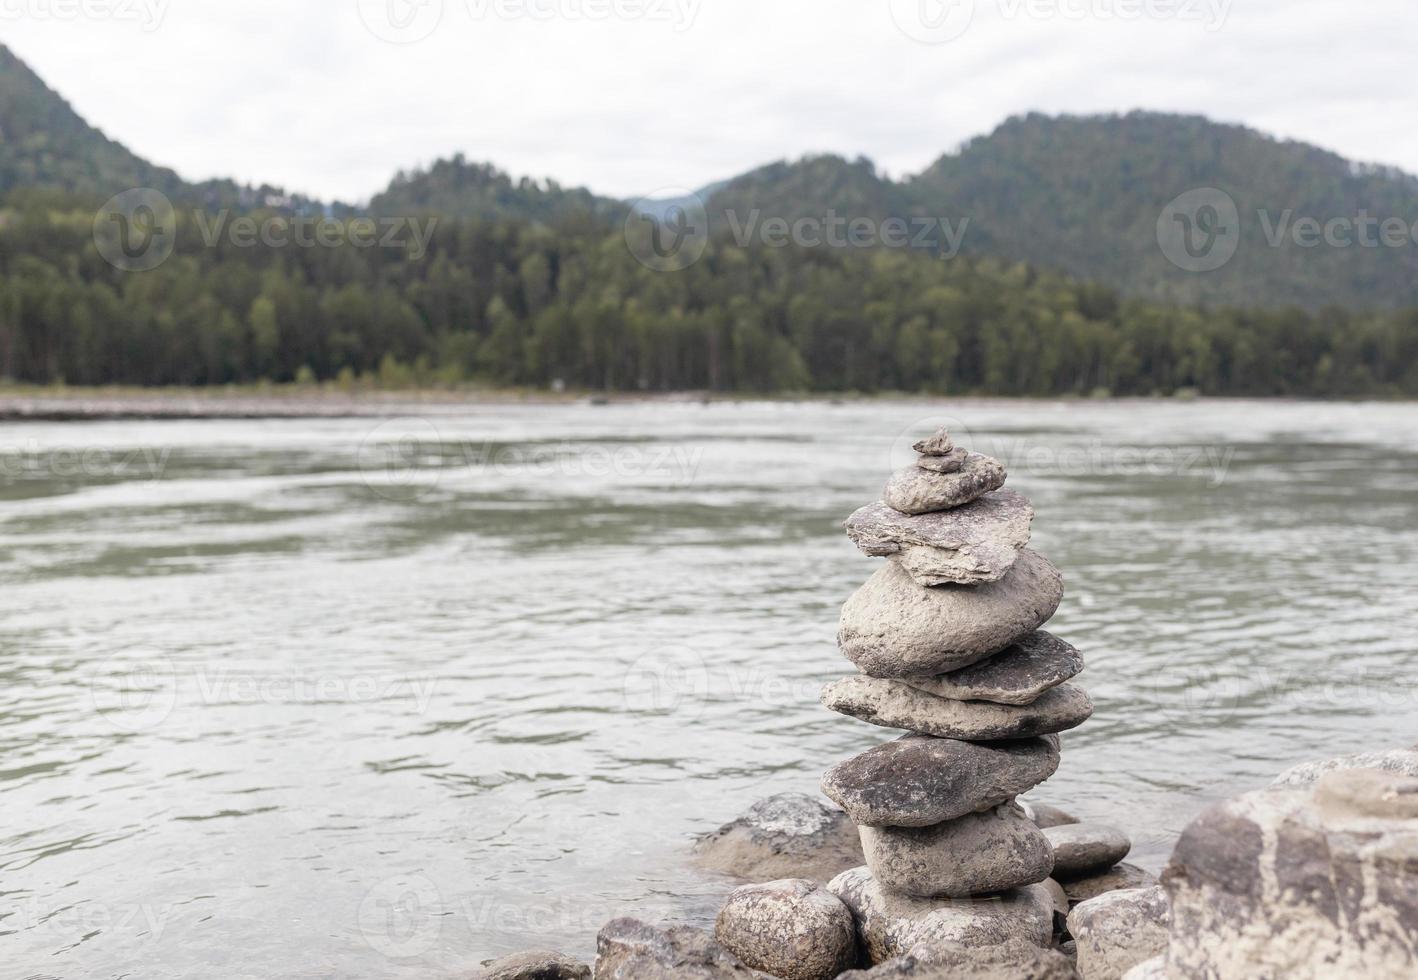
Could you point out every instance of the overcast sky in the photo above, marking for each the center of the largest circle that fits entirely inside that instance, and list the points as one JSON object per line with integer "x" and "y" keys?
{"x": 632, "y": 96}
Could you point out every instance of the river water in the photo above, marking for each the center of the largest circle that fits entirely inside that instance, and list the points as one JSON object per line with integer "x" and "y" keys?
{"x": 367, "y": 698}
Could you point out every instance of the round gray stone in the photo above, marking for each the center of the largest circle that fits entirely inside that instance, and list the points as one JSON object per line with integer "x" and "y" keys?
{"x": 1120, "y": 930}
{"x": 1019, "y": 674}
{"x": 1086, "y": 848}
{"x": 890, "y": 924}
{"x": 977, "y": 854}
{"x": 916, "y": 491}
{"x": 920, "y": 781}
{"x": 791, "y": 929}
{"x": 966, "y": 546}
{"x": 938, "y": 443}
{"x": 952, "y": 462}
{"x": 535, "y": 966}
{"x": 896, "y": 704}
{"x": 894, "y": 627}
{"x": 1045, "y": 816}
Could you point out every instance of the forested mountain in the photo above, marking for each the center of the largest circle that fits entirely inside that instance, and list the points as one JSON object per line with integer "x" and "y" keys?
{"x": 527, "y": 283}
{"x": 1083, "y": 195}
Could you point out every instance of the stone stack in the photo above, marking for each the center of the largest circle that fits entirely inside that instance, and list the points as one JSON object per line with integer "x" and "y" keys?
{"x": 947, "y": 641}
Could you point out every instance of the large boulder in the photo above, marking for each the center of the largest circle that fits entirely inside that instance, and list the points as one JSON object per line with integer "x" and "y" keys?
{"x": 916, "y": 490}
{"x": 1082, "y": 849}
{"x": 896, "y": 704}
{"x": 791, "y": 835}
{"x": 1018, "y": 674}
{"x": 1402, "y": 761}
{"x": 1117, "y": 931}
{"x": 981, "y": 853}
{"x": 920, "y": 781}
{"x": 535, "y": 966}
{"x": 1300, "y": 883}
{"x": 1007, "y": 961}
{"x": 966, "y": 546}
{"x": 792, "y": 929}
{"x": 1119, "y": 878}
{"x": 892, "y": 627}
{"x": 628, "y": 949}
{"x": 890, "y": 924}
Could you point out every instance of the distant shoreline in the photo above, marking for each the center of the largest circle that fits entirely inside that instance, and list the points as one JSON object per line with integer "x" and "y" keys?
{"x": 35, "y": 404}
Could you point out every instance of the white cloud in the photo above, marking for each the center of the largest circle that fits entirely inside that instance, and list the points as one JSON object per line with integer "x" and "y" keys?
{"x": 306, "y": 96}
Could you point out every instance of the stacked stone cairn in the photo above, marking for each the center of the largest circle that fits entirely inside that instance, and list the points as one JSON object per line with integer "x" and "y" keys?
{"x": 947, "y": 641}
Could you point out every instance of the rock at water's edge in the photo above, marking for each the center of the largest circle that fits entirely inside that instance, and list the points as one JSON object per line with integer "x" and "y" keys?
{"x": 1046, "y": 816}
{"x": 1122, "y": 877}
{"x": 791, "y": 835}
{"x": 1300, "y": 884}
{"x": 1082, "y": 849}
{"x": 792, "y": 929}
{"x": 892, "y": 627}
{"x": 1401, "y": 761}
{"x": 1008, "y": 961}
{"x": 919, "y": 781}
{"x": 535, "y": 966}
{"x": 628, "y": 949}
{"x": 1120, "y": 930}
{"x": 895, "y": 704}
{"x": 994, "y": 851}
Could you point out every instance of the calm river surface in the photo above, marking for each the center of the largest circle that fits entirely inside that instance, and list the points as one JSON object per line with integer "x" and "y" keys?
{"x": 352, "y": 698}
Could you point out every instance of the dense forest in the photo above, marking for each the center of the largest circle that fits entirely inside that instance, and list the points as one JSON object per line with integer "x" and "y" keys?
{"x": 528, "y": 283}
{"x": 522, "y": 303}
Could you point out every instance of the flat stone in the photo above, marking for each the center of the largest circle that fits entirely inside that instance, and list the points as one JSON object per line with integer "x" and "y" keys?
{"x": 1120, "y": 930}
{"x": 1401, "y": 761}
{"x": 628, "y": 949}
{"x": 951, "y": 462}
{"x": 791, "y": 835}
{"x": 920, "y": 781}
{"x": 893, "y": 627}
{"x": 916, "y": 491}
{"x": 1086, "y": 848}
{"x": 1045, "y": 816}
{"x": 889, "y": 925}
{"x": 1300, "y": 883}
{"x": 977, "y": 854}
{"x": 1007, "y": 961}
{"x": 896, "y": 704}
{"x": 1018, "y": 674}
{"x": 966, "y": 546}
{"x": 938, "y": 443}
{"x": 1118, "y": 878}
{"x": 535, "y": 966}
{"x": 791, "y": 929}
